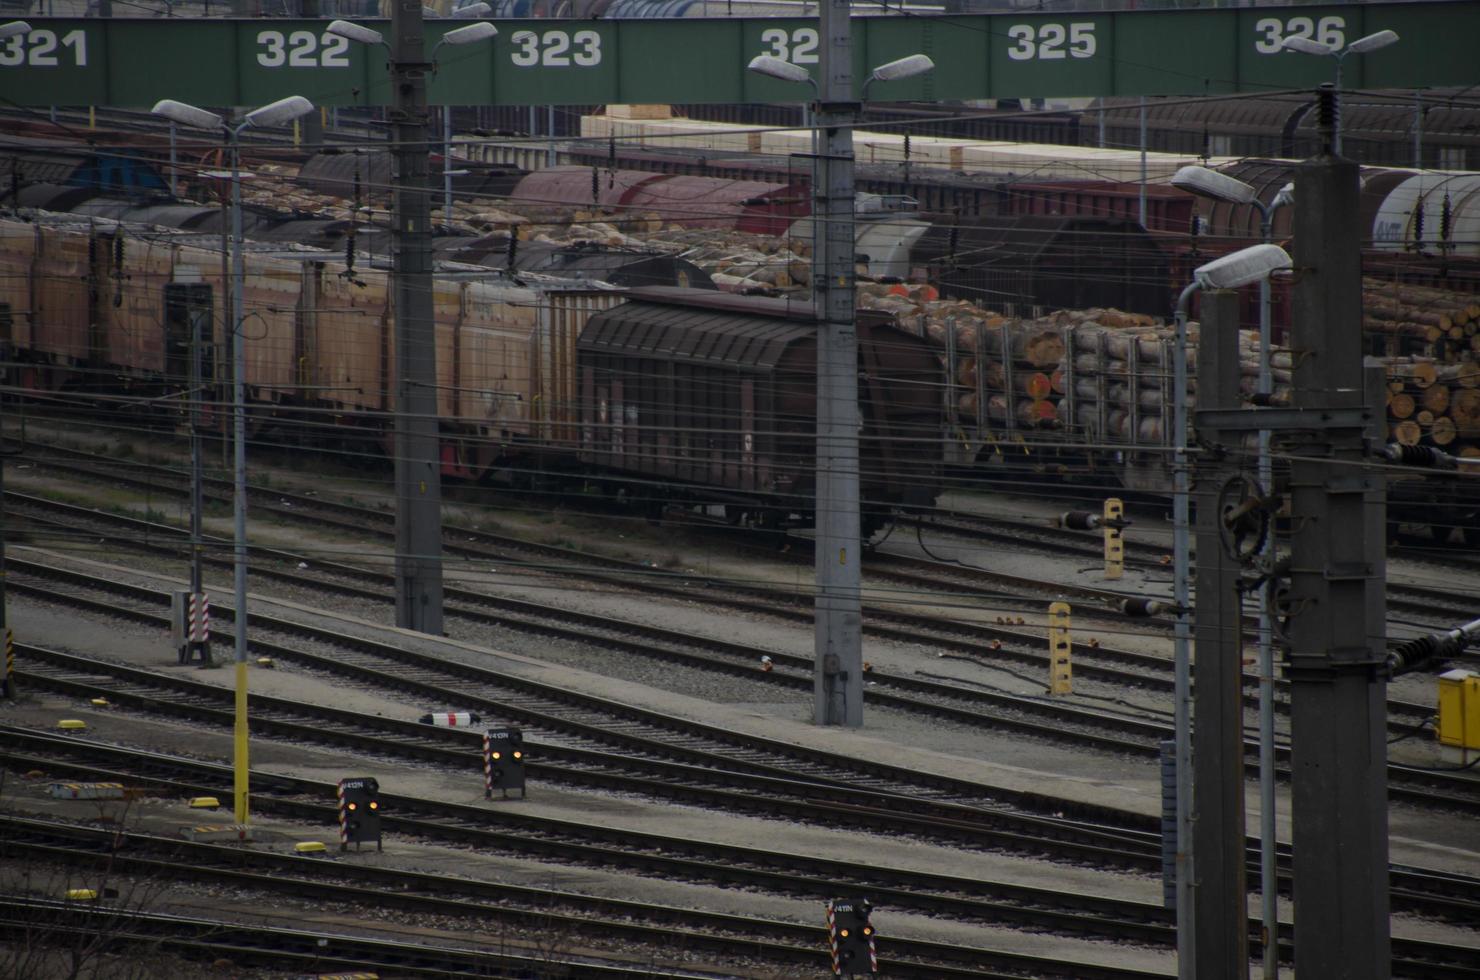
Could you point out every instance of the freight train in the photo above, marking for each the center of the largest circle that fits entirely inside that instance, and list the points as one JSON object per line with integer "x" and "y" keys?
{"x": 659, "y": 393}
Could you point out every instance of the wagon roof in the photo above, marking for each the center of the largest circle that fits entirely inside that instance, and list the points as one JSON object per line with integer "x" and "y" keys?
{"x": 747, "y": 336}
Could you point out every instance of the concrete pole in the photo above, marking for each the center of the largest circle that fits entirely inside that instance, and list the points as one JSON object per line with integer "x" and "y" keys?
{"x": 197, "y": 497}
{"x": 1337, "y": 648}
{"x": 838, "y": 639}
{"x": 418, "y": 462}
{"x": 174, "y": 164}
{"x": 239, "y": 497}
{"x": 447, "y": 167}
{"x": 1218, "y": 736}
{"x": 550, "y": 128}
{"x": 1142, "y": 211}
{"x": 1417, "y": 130}
{"x": 1182, "y": 650}
{"x": 1269, "y": 893}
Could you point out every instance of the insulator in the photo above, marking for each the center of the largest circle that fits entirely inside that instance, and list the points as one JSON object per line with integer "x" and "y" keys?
{"x": 1425, "y": 456}
{"x": 1418, "y": 227}
{"x": 1415, "y": 654}
{"x": 1326, "y": 114}
{"x": 1445, "y": 218}
{"x": 595, "y": 185}
{"x": 1080, "y": 520}
{"x": 1142, "y": 607}
{"x": 906, "y": 146}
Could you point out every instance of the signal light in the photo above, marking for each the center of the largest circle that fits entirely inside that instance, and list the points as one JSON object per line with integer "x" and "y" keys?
{"x": 359, "y": 812}
{"x": 850, "y": 937}
{"x": 503, "y": 761}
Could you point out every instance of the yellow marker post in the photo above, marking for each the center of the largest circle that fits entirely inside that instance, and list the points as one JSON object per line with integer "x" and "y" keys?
{"x": 1060, "y": 677}
{"x": 240, "y": 766}
{"x": 1113, "y": 514}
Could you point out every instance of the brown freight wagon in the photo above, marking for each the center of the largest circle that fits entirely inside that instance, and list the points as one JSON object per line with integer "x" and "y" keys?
{"x": 714, "y": 397}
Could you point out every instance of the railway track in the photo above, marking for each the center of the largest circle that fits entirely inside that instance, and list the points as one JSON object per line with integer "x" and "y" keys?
{"x": 1410, "y": 601}
{"x": 493, "y": 903}
{"x": 1054, "y": 720}
{"x": 1128, "y": 735}
{"x": 989, "y": 644}
{"x": 443, "y": 822}
{"x": 695, "y": 780}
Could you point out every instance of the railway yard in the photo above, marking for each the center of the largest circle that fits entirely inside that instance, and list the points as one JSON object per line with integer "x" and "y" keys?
{"x": 550, "y": 674}
{"x": 683, "y": 816}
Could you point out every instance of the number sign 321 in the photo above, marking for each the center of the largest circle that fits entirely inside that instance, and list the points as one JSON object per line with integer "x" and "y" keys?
{"x": 43, "y": 49}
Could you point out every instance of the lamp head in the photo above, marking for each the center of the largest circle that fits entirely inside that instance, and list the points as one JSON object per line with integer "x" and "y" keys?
{"x": 479, "y": 9}
{"x": 1372, "y": 42}
{"x": 14, "y": 27}
{"x": 1242, "y": 267}
{"x": 473, "y": 33}
{"x": 773, "y": 67}
{"x": 1285, "y": 196}
{"x": 187, "y": 115}
{"x": 279, "y": 112}
{"x": 358, "y": 33}
{"x": 1210, "y": 183}
{"x": 1306, "y": 46}
{"x": 908, "y": 67}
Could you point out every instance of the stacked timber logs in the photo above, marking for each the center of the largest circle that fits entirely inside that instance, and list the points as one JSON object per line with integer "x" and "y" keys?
{"x": 1105, "y": 377}
{"x": 1430, "y": 341}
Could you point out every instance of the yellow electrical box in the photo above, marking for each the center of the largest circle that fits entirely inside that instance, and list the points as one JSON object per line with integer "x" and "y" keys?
{"x": 1459, "y": 712}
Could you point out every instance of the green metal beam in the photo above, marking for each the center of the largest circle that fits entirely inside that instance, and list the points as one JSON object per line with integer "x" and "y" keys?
{"x": 124, "y": 62}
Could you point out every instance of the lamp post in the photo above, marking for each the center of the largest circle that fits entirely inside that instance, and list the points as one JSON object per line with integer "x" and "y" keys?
{"x": 273, "y": 114}
{"x": 1229, "y": 272}
{"x": 838, "y": 641}
{"x": 1210, "y": 183}
{"x": 1362, "y": 45}
{"x": 418, "y": 462}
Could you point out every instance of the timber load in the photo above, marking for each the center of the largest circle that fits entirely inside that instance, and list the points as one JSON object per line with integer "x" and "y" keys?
{"x": 1103, "y": 377}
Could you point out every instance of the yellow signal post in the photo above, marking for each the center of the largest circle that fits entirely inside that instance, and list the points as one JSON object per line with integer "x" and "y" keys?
{"x": 1111, "y": 523}
{"x": 1060, "y": 676}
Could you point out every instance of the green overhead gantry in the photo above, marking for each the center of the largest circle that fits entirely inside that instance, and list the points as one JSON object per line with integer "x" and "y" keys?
{"x": 124, "y": 62}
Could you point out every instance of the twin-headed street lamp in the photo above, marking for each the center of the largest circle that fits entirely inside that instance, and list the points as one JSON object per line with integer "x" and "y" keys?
{"x": 274, "y": 114}
{"x": 1362, "y": 45}
{"x": 837, "y": 672}
{"x": 1254, "y": 264}
{"x": 1211, "y": 183}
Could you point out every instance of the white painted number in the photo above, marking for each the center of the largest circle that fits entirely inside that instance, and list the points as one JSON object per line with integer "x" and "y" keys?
{"x": 302, "y": 49}
{"x": 1272, "y": 31}
{"x": 553, "y": 49}
{"x": 38, "y": 49}
{"x": 1051, "y": 42}
{"x": 798, "y": 47}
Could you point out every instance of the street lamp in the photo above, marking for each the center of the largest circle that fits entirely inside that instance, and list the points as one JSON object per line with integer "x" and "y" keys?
{"x": 900, "y": 68}
{"x": 1362, "y": 45}
{"x": 273, "y": 114}
{"x": 1211, "y": 183}
{"x": 1239, "y": 268}
{"x": 418, "y": 464}
{"x": 837, "y": 637}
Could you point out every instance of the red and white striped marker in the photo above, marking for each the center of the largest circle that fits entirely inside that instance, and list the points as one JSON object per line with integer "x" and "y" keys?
{"x": 200, "y": 617}
{"x": 450, "y": 719}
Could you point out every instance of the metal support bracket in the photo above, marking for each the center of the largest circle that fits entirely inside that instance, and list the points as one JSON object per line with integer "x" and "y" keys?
{"x": 1275, "y": 419}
